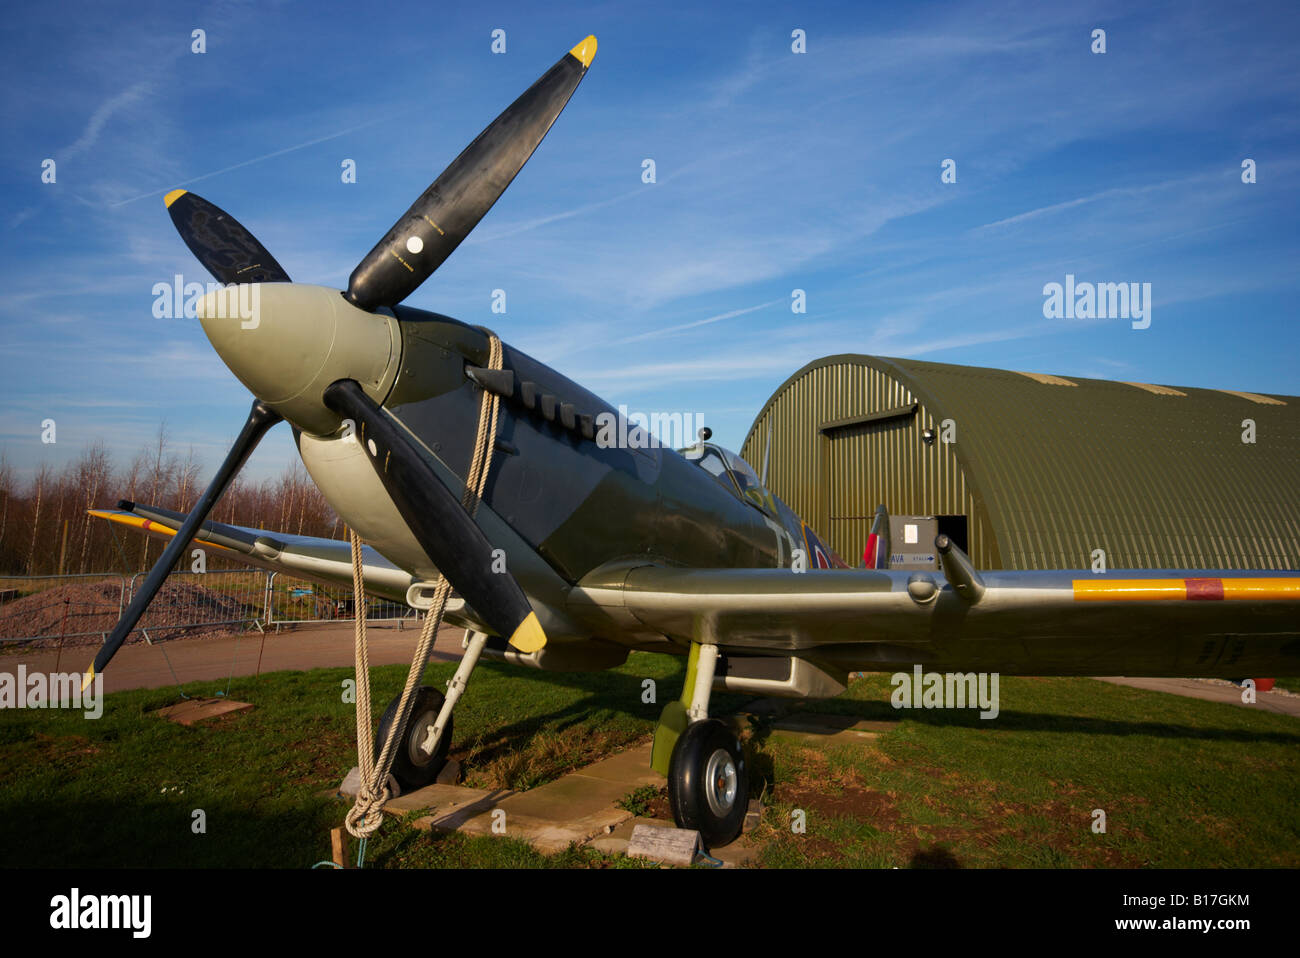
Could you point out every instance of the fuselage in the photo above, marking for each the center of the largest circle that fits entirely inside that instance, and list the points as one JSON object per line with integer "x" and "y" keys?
{"x": 565, "y": 497}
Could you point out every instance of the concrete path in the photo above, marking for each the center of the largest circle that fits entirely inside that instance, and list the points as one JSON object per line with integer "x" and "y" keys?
{"x": 574, "y": 808}
{"x": 582, "y": 807}
{"x": 1213, "y": 691}
{"x": 141, "y": 666}
{"x": 579, "y": 808}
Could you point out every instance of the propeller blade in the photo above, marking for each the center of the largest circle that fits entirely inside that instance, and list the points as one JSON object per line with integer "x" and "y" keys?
{"x": 260, "y": 419}
{"x": 444, "y": 214}
{"x": 225, "y": 248}
{"x": 437, "y": 519}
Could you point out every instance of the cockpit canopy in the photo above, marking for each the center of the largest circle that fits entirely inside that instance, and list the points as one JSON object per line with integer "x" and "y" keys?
{"x": 733, "y": 473}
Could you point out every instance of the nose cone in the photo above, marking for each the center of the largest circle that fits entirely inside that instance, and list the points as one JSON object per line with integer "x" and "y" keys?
{"x": 287, "y": 341}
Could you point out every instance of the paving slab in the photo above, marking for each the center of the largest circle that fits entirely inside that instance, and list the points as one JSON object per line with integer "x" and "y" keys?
{"x": 574, "y": 809}
{"x": 452, "y": 808}
{"x": 571, "y": 797}
{"x": 577, "y": 809}
{"x": 630, "y": 767}
{"x": 446, "y": 799}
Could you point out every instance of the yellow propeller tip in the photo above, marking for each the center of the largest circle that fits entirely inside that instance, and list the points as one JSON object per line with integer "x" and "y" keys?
{"x": 173, "y": 196}
{"x": 585, "y": 51}
{"x": 529, "y": 637}
{"x": 88, "y": 678}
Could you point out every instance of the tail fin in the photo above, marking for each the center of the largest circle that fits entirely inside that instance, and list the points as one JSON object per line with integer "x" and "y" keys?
{"x": 876, "y": 554}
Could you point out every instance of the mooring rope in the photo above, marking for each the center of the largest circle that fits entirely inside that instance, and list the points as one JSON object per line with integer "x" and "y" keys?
{"x": 366, "y": 815}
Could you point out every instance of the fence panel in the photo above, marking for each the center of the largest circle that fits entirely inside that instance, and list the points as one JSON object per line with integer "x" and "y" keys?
{"x": 291, "y": 600}
{"x": 36, "y": 608}
{"x": 54, "y": 606}
{"x": 189, "y": 600}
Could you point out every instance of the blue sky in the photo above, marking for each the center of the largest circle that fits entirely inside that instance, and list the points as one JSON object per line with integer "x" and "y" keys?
{"x": 775, "y": 171}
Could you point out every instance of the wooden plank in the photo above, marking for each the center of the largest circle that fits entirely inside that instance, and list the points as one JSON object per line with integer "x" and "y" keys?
{"x": 198, "y": 710}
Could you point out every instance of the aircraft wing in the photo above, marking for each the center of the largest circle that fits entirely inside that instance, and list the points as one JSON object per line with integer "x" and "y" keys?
{"x": 1167, "y": 623}
{"x": 328, "y": 561}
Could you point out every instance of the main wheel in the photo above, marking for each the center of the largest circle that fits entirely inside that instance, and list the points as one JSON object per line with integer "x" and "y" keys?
{"x": 708, "y": 783}
{"x": 412, "y": 766}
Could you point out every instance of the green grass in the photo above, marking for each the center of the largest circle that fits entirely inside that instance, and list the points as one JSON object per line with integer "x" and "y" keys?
{"x": 120, "y": 790}
{"x": 1183, "y": 782}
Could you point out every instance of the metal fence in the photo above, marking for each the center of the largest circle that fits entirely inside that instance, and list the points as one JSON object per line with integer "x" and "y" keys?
{"x": 50, "y": 606}
{"x": 190, "y": 600}
{"x": 75, "y": 606}
{"x": 290, "y": 600}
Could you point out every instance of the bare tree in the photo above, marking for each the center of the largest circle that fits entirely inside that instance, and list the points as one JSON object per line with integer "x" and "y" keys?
{"x": 40, "y": 483}
{"x": 94, "y": 471}
{"x": 187, "y": 479}
{"x": 158, "y": 481}
{"x": 6, "y": 491}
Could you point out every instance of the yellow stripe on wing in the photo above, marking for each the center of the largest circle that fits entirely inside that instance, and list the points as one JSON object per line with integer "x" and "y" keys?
{"x": 1191, "y": 589}
{"x": 1111, "y": 590}
{"x": 1261, "y": 588}
{"x": 147, "y": 525}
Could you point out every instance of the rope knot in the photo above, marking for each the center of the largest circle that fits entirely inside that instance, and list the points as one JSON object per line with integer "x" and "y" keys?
{"x": 365, "y": 817}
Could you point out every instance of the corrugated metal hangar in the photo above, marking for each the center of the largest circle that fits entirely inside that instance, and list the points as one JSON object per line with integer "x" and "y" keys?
{"x": 1030, "y": 471}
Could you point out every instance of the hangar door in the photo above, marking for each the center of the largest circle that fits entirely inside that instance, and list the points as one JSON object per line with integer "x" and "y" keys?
{"x": 882, "y": 459}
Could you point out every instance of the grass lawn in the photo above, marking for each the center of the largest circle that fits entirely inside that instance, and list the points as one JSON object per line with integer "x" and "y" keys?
{"x": 121, "y": 790}
{"x": 1182, "y": 782}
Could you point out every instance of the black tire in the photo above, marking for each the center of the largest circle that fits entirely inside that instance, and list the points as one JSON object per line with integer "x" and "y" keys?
{"x": 709, "y": 748}
{"x": 411, "y": 767}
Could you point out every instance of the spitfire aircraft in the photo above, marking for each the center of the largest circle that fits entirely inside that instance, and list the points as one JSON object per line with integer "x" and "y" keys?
{"x": 612, "y": 547}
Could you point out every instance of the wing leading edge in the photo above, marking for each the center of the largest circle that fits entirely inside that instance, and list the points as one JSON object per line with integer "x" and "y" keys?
{"x": 327, "y": 561}
{"x": 1167, "y": 623}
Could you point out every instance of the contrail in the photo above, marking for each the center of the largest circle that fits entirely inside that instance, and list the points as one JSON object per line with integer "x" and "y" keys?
{"x": 702, "y": 322}
{"x": 256, "y": 159}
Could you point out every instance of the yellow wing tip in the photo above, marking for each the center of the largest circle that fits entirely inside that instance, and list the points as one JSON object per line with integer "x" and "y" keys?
{"x": 529, "y": 637}
{"x": 585, "y": 51}
{"x": 173, "y": 196}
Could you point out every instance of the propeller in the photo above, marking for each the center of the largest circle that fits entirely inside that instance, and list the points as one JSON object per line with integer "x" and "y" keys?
{"x": 260, "y": 419}
{"x": 438, "y": 521}
{"x": 434, "y": 226}
{"x": 417, "y": 244}
{"x": 220, "y": 242}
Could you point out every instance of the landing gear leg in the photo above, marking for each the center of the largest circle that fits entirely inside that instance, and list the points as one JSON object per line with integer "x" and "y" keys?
{"x": 708, "y": 780}
{"x": 422, "y": 749}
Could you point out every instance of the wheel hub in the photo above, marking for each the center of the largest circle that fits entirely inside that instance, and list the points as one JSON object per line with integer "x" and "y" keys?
{"x": 720, "y": 782}
{"x": 419, "y": 735}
